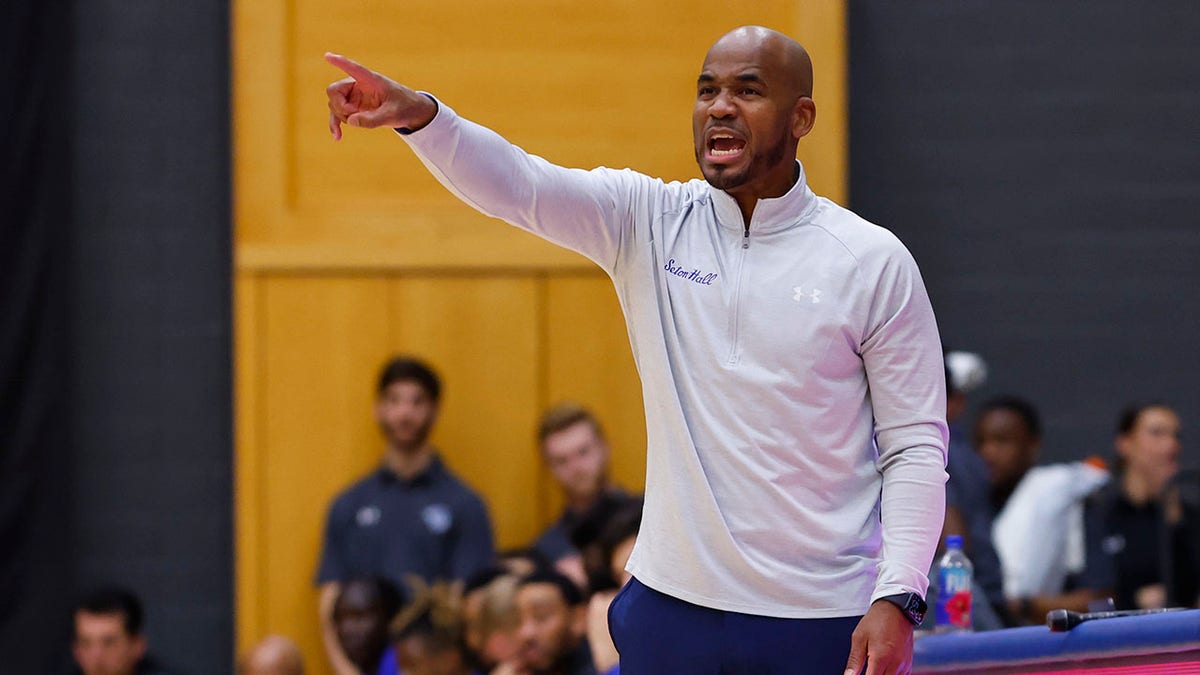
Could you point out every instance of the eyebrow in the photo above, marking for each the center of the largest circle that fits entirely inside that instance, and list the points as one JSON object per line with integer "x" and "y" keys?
{"x": 706, "y": 78}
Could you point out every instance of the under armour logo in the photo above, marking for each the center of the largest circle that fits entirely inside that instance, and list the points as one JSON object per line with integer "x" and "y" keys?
{"x": 800, "y": 295}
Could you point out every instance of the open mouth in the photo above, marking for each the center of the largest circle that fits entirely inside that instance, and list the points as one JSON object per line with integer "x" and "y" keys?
{"x": 722, "y": 145}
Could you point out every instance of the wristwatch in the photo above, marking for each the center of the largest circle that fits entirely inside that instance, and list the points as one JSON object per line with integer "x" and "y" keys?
{"x": 912, "y": 605}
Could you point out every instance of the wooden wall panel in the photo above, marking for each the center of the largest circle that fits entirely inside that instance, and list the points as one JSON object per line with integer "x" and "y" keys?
{"x": 588, "y": 360}
{"x": 320, "y": 348}
{"x": 583, "y": 84}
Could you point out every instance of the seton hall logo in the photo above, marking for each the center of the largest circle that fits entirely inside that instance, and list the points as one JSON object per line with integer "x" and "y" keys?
{"x": 694, "y": 274}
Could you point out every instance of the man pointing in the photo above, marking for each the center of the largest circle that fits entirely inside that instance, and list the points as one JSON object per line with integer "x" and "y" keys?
{"x": 795, "y": 397}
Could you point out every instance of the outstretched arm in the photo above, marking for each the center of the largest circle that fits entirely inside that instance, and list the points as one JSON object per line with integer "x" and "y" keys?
{"x": 586, "y": 211}
{"x": 369, "y": 100}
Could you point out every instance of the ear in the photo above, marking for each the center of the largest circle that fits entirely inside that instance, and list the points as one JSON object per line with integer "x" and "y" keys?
{"x": 139, "y": 646}
{"x": 804, "y": 116}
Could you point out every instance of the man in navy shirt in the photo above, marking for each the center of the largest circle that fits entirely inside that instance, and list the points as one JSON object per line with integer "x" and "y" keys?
{"x": 411, "y": 516}
{"x": 574, "y": 449}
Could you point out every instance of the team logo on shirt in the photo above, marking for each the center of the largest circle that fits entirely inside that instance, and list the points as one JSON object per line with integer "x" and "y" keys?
{"x": 368, "y": 516}
{"x": 1113, "y": 544}
{"x": 813, "y": 294}
{"x": 693, "y": 274}
{"x": 437, "y": 518}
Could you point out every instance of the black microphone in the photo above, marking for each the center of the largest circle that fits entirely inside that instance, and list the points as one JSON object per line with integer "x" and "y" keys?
{"x": 1060, "y": 620}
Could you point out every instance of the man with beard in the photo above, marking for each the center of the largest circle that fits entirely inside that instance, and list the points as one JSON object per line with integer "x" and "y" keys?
{"x": 791, "y": 371}
{"x": 553, "y": 626}
{"x": 411, "y": 516}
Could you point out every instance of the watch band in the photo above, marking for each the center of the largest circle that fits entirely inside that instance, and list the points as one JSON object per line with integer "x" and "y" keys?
{"x": 911, "y": 605}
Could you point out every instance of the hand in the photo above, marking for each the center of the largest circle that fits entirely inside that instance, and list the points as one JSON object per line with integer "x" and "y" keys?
{"x": 883, "y": 641}
{"x": 367, "y": 99}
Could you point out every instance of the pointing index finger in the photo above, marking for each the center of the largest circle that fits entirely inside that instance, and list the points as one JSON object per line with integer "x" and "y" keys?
{"x": 351, "y": 68}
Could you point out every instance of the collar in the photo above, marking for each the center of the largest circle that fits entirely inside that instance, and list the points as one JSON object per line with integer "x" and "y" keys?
{"x": 770, "y": 215}
{"x": 432, "y": 473}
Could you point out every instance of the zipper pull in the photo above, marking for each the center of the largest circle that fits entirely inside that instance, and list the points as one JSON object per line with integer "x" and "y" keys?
{"x": 746, "y": 238}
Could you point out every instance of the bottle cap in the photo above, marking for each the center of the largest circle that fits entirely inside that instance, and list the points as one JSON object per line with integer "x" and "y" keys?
{"x": 954, "y": 541}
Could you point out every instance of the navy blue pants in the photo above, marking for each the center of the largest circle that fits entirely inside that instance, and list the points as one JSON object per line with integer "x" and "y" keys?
{"x": 657, "y": 634}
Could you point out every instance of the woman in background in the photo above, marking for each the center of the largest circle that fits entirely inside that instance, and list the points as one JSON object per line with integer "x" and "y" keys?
{"x": 1150, "y": 513}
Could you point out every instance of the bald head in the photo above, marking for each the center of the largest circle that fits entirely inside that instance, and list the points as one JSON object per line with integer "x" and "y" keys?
{"x": 753, "y": 105}
{"x": 275, "y": 655}
{"x": 786, "y": 57}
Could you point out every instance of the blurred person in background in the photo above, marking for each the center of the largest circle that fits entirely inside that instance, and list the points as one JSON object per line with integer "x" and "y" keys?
{"x": 109, "y": 637}
{"x": 575, "y": 451}
{"x": 614, "y": 544}
{"x": 428, "y": 634}
{"x": 490, "y": 619}
{"x": 1148, "y": 523}
{"x": 412, "y": 515}
{"x": 553, "y": 626}
{"x": 1043, "y": 532}
{"x": 968, "y": 513}
{"x": 362, "y": 613}
{"x": 273, "y": 655}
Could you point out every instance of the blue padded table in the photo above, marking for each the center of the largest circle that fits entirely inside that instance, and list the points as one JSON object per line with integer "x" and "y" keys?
{"x": 1153, "y": 644}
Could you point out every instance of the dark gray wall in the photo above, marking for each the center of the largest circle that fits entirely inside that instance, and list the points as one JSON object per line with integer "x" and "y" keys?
{"x": 1042, "y": 162}
{"x": 150, "y": 305}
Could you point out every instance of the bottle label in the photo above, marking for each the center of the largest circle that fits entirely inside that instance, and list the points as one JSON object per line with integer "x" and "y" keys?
{"x": 954, "y": 598}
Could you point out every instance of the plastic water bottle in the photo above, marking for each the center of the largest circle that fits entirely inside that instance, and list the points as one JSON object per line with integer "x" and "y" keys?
{"x": 955, "y": 576}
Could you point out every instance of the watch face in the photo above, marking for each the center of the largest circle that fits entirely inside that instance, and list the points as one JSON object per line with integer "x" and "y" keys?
{"x": 916, "y": 608}
{"x": 911, "y": 604}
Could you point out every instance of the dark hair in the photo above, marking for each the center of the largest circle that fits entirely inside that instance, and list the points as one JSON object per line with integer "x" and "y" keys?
{"x": 566, "y": 588}
{"x": 1024, "y": 409}
{"x": 622, "y": 524}
{"x": 115, "y": 600}
{"x": 410, "y": 369}
{"x": 482, "y": 578}
{"x": 563, "y": 416}
{"x": 1129, "y": 417}
{"x": 383, "y": 592}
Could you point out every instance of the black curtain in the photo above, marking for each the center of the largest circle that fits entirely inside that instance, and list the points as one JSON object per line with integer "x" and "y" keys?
{"x": 115, "y": 373}
{"x": 35, "y": 210}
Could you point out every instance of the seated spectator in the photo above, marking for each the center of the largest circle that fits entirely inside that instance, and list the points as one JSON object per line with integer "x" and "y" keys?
{"x": 491, "y": 621}
{"x": 428, "y": 634}
{"x": 108, "y": 635}
{"x": 274, "y": 655}
{"x": 410, "y": 516}
{"x": 361, "y": 615}
{"x": 576, "y": 452}
{"x": 522, "y": 561}
{"x": 614, "y": 543}
{"x": 968, "y": 513}
{"x": 1041, "y": 530}
{"x": 553, "y": 626}
{"x": 1183, "y": 520}
{"x": 1142, "y": 511}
